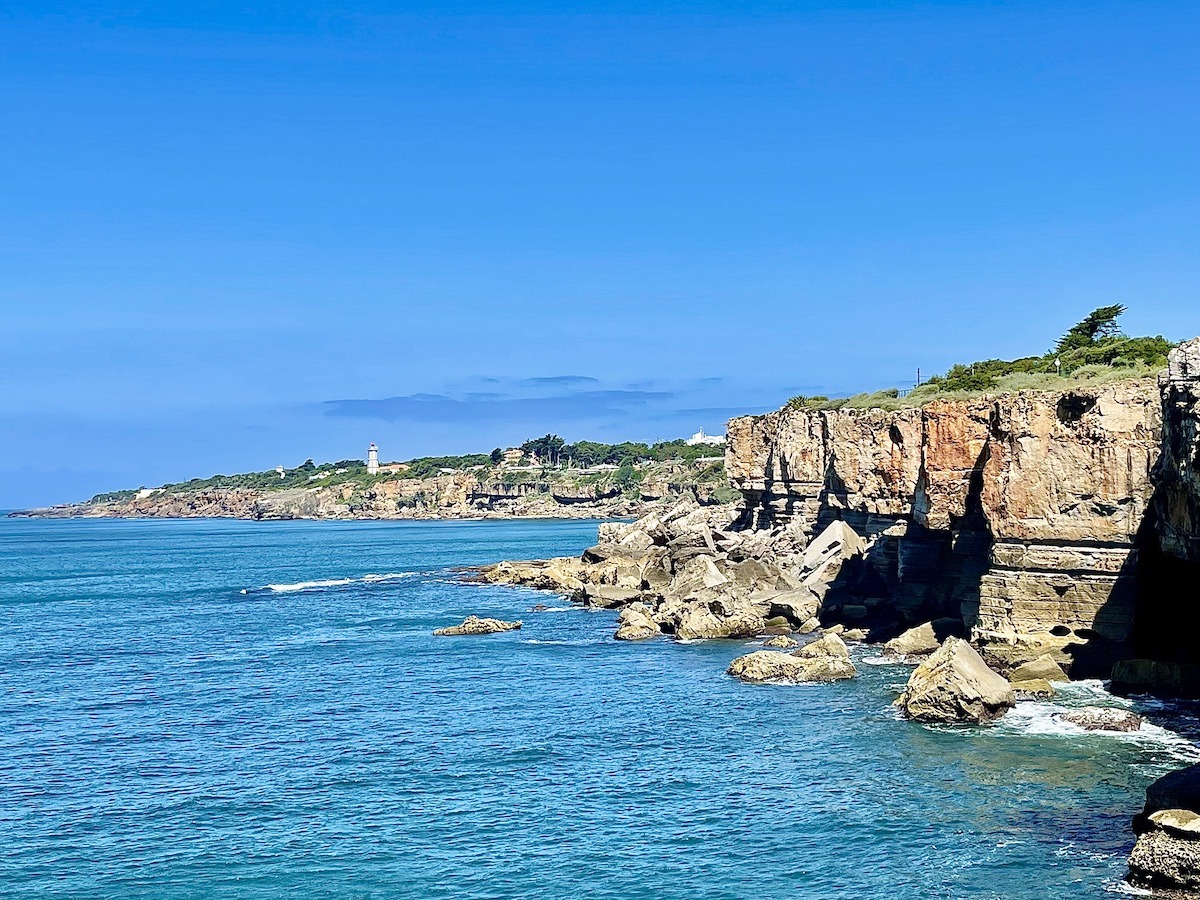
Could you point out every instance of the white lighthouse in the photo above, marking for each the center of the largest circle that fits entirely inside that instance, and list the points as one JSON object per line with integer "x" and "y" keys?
{"x": 372, "y": 459}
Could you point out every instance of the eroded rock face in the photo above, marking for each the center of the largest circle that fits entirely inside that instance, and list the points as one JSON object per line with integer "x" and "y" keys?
{"x": 955, "y": 685}
{"x": 1177, "y": 475}
{"x": 1017, "y": 513}
{"x": 476, "y": 625}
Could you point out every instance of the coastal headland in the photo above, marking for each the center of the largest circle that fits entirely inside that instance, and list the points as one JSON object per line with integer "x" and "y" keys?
{"x": 1058, "y": 532}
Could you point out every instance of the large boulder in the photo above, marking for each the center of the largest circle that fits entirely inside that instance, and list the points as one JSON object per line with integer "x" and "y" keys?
{"x": 635, "y": 623}
{"x": 826, "y": 645}
{"x": 780, "y": 642}
{"x": 773, "y": 666}
{"x": 797, "y": 606}
{"x": 476, "y": 625}
{"x": 700, "y": 622}
{"x": 922, "y": 640}
{"x": 1033, "y": 689}
{"x": 955, "y": 685}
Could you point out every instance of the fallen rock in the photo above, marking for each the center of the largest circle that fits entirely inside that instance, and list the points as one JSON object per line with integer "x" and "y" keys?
{"x": 954, "y": 685}
{"x": 855, "y": 634}
{"x": 919, "y": 641}
{"x": 610, "y": 596}
{"x": 635, "y": 624}
{"x": 780, "y": 642}
{"x": 476, "y": 625}
{"x": 1102, "y": 718}
{"x": 1033, "y": 689}
{"x": 771, "y": 665}
{"x": 796, "y": 606}
{"x": 810, "y": 626}
{"x": 1044, "y": 667}
{"x": 701, "y": 623}
{"x": 829, "y": 644}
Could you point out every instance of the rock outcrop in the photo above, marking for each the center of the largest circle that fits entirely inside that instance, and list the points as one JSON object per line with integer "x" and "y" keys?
{"x": 825, "y": 659}
{"x": 476, "y": 625}
{"x": 1017, "y": 514}
{"x": 955, "y": 685}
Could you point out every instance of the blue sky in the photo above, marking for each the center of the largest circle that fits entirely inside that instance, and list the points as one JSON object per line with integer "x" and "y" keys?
{"x": 239, "y": 235}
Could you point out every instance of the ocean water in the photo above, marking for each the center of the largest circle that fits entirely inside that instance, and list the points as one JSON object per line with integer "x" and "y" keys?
{"x": 240, "y": 709}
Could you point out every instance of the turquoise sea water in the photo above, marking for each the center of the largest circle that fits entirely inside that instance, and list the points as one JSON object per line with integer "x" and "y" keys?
{"x": 171, "y": 725}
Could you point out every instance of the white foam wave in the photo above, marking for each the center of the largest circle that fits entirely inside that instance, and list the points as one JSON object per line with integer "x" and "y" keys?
{"x": 884, "y": 661}
{"x": 550, "y": 609}
{"x": 370, "y": 578}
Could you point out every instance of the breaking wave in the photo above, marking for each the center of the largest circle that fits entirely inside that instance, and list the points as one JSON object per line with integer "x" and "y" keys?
{"x": 296, "y": 586}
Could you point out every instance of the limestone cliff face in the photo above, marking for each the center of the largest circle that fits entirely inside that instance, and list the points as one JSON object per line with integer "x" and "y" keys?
{"x": 1018, "y": 512}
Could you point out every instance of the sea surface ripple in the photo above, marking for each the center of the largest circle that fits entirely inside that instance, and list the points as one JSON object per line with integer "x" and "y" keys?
{"x": 238, "y": 709}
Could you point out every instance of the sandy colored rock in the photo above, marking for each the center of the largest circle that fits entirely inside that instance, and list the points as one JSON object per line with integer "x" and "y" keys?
{"x": 828, "y": 644}
{"x": 809, "y": 626}
{"x": 954, "y": 685}
{"x": 476, "y": 625}
{"x": 635, "y": 623}
{"x": 780, "y": 642}
{"x": 773, "y": 666}
{"x": 919, "y": 641}
{"x": 1044, "y": 667}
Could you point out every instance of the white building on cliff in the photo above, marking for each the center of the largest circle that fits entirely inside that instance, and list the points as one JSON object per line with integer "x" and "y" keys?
{"x": 701, "y": 438}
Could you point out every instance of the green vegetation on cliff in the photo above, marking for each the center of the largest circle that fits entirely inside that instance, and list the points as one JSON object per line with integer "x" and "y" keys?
{"x": 1092, "y": 351}
{"x": 583, "y": 463}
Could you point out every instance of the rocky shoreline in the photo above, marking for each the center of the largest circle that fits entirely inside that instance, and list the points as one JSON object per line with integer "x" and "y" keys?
{"x": 997, "y": 544}
{"x": 450, "y": 496}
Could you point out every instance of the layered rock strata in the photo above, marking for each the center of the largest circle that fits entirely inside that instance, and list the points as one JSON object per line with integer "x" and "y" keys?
{"x": 1019, "y": 514}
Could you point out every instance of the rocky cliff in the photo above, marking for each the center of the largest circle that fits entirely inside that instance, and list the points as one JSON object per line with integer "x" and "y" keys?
{"x": 554, "y": 493}
{"x": 1024, "y": 514}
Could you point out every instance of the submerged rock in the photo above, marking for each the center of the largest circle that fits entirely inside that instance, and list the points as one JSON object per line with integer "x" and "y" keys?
{"x": 1102, "y": 718}
{"x": 954, "y": 685}
{"x": 476, "y": 625}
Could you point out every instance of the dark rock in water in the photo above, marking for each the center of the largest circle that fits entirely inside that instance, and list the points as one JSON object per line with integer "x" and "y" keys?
{"x": 1175, "y": 790}
{"x": 538, "y": 607}
{"x": 476, "y": 625}
{"x": 1102, "y": 718}
{"x": 1147, "y": 676}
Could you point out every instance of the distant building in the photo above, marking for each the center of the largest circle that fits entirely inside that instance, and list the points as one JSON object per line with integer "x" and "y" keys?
{"x": 393, "y": 468}
{"x": 281, "y": 471}
{"x": 372, "y": 459}
{"x": 513, "y": 456}
{"x": 701, "y": 438}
